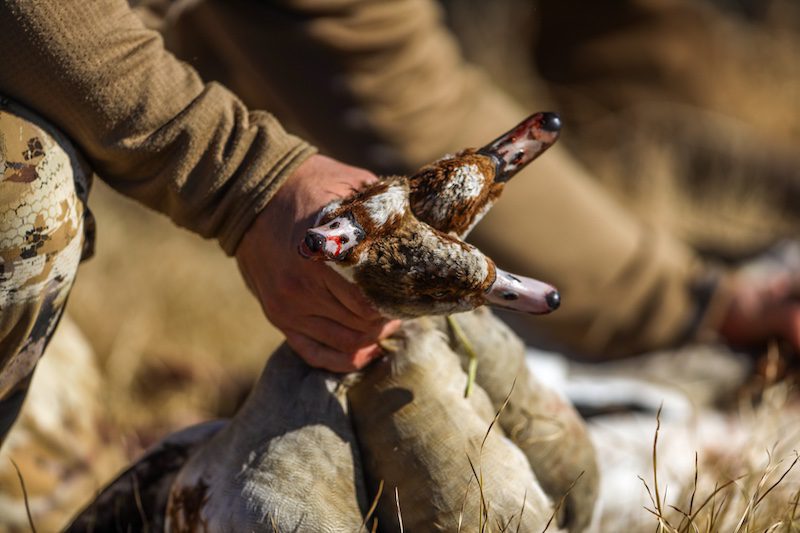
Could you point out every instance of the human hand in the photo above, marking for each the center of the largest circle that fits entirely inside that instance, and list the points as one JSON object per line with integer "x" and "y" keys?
{"x": 326, "y": 319}
{"x": 764, "y": 300}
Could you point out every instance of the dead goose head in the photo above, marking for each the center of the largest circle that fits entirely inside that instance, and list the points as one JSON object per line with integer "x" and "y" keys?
{"x": 454, "y": 193}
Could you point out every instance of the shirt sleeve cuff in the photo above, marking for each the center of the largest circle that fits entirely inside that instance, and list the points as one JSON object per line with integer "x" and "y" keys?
{"x": 256, "y": 196}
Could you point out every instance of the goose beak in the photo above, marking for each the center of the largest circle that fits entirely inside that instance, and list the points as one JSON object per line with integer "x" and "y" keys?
{"x": 312, "y": 246}
{"x": 522, "y": 294}
{"x": 521, "y": 145}
{"x": 332, "y": 241}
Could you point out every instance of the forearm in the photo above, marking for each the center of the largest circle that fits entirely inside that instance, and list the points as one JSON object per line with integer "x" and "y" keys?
{"x": 145, "y": 121}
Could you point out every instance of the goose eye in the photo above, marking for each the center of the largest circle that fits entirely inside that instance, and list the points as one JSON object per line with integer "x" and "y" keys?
{"x": 334, "y": 225}
{"x": 439, "y": 294}
{"x": 344, "y": 239}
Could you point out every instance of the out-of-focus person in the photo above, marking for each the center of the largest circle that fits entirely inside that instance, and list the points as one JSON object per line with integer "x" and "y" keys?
{"x": 398, "y": 92}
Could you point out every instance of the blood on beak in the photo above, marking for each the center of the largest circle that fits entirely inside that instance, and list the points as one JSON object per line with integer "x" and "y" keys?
{"x": 332, "y": 241}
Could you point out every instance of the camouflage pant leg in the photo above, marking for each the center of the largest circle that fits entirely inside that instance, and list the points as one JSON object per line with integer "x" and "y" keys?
{"x": 43, "y": 220}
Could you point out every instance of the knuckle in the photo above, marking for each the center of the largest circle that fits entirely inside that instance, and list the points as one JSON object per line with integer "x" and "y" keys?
{"x": 304, "y": 350}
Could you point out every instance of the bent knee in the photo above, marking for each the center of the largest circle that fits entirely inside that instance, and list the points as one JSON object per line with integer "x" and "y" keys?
{"x": 43, "y": 186}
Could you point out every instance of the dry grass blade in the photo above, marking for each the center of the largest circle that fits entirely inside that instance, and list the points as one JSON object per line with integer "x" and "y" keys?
{"x": 684, "y": 518}
{"x": 137, "y": 497}
{"x": 472, "y": 371}
{"x": 522, "y": 510}
{"x": 655, "y": 465}
{"x": 501, "y": 527}
{"x": 688, "y": 515}
{"x": 715, "y": 514}
{"x": 749, "y": 510}
{"x": 483, "y": 513}
{"x": 663, "y": 523}
{"x": 273, "y": 524}
{"x": 687, "y": 519}
{"x": 712, "y": 498}
{"x": 561, "y": 502}
{"x": 780, "y": 479}
{"x": 649, "y": 492}
{"x": 472, "y": 367}
{"x": 372, "y": 507}
{"x": 795, "y": 502}
{"x": 463, "y": 506}
{"x": 749, "y": 515}
{"x": 399, "y": 513}
{"x": 498, "y": 413}
{"x": 24, "y": 495}
{"x": 483, "y": 518}
{"x": 652, "y": 512}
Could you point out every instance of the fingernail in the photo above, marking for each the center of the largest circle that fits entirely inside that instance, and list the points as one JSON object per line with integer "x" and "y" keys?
{"x": 366, "y": 355}
{"x": 389, "y": 328}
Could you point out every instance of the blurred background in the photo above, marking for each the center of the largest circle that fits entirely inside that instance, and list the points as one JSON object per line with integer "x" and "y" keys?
{"x": 674, "y": 106}
{"x": 162, "y": 333}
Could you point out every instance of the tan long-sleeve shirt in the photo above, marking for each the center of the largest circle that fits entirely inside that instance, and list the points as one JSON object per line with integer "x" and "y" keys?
{"x": 145, "y": 121}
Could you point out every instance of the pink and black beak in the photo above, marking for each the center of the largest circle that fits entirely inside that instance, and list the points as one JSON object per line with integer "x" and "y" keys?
{"x": 521, "y": 145}
{"x": 522, "y": 294}
{"x": 332, "y": 241}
